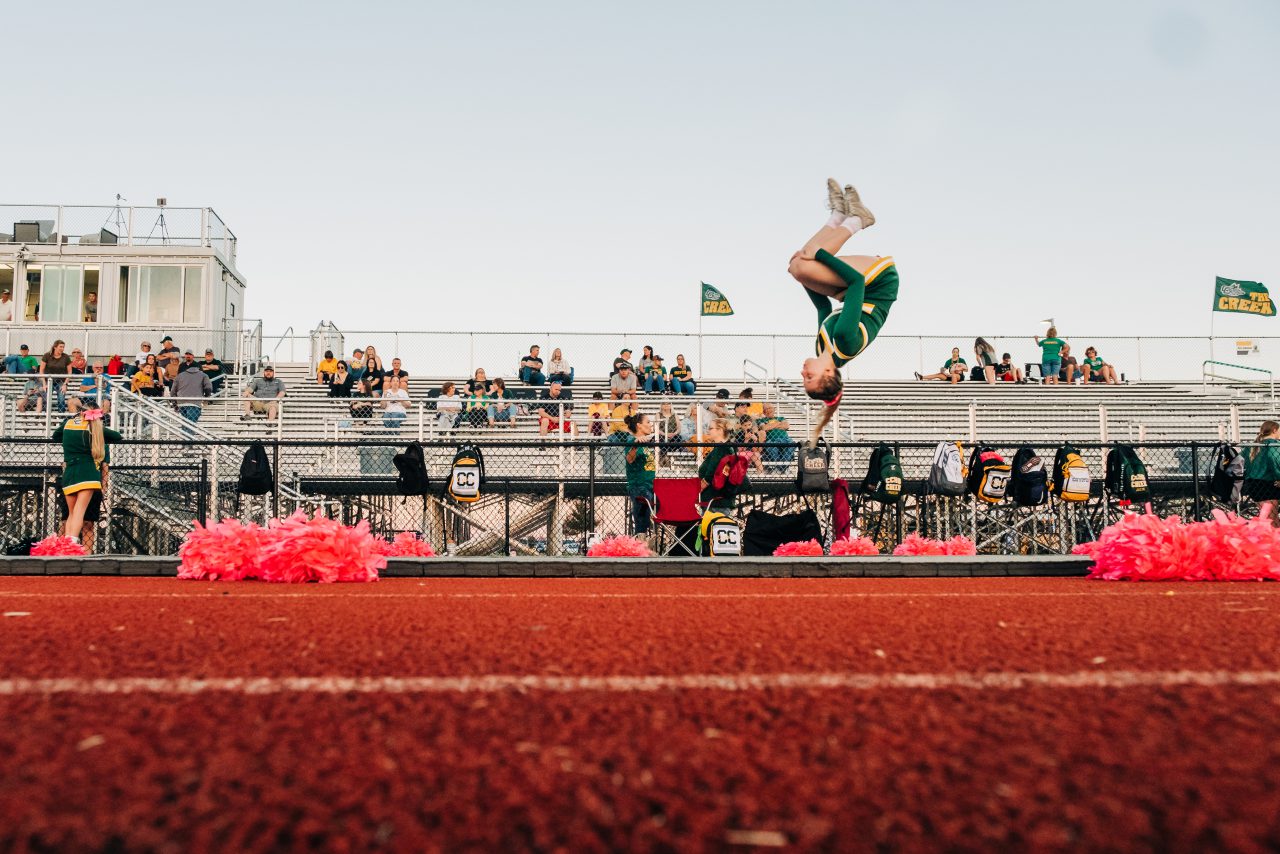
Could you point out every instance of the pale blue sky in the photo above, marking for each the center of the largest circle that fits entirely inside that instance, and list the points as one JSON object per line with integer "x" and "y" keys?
{"x": 520, "y": 166}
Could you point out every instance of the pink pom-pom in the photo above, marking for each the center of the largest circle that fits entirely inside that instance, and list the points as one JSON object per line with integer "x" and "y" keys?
{"x": 57, "y": 547}
{"x": 914, "y": 545}
{"x": 807, "y": 548}
{"x": 222, "y": 551}
{"x": 620, "y": 546}
{"x": 299, "y": 549}
{"x": 405, "y": 544}
{"x": 855, "y": 547}
{"x": 960, "y": 546}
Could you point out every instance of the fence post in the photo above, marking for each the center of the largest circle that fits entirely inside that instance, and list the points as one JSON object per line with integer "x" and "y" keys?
{"x": 213, "y": 484}
{"x": 1235, "y": 423}
{"x": 591, "y": 487}
{"x": 275, "y": 470}
{"x": 897, "y": 505}
{"x": 1139, "y": 358}
{"x": 506, "y": 512}
{"x": 202, "y": 499}
{"x": 1195, "y": 480}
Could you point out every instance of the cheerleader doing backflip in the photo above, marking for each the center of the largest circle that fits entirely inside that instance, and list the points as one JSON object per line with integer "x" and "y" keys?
{"x": 866, "y": 285}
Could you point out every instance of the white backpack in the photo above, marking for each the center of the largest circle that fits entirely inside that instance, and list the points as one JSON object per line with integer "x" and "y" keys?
{"x": 947, "y": 475}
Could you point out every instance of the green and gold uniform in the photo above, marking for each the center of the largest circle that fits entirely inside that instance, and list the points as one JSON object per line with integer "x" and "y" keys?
{"x": 81, "y": 471}
{"x": 846, "y": 332}
{"x": 641, "y": 469}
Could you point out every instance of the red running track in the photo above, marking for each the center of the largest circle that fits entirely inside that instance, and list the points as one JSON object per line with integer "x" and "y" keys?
{"x": 591, "y": 715}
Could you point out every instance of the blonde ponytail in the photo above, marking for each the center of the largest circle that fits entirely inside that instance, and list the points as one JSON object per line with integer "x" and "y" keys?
{"x": 97, "y": 442}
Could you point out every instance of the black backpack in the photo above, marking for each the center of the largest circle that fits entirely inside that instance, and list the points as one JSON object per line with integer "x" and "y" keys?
{"x": 255, "y": 472}
{"x": 1029, "y": 481}
{"x": 988, "y": 475}
{"x": 1228, "y": 473}
{"x": 412, "y": 471}
{"x": 466, "y": 477}
{"x": 883, "y": 482}
{"x": 764, "y": 532}
{"x": 813, "y": 469}
{"x": 1126, "y": 477}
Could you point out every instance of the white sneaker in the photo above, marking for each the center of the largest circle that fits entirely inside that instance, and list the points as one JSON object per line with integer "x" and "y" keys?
{"x": 836, "y": 198}
{"x": 854, "y": 207}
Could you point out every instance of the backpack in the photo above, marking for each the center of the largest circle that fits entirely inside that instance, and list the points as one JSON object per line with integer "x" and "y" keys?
{"x": 466, "y": 477}
{"x": 766, "y": 531}
{"x": 255, "y": 472}
{"x": 947, "y": 475}
{"x": 412, "y": 471}
{"x": 1228, "y": 473}
{"x": 1071, "y": 479}
{"x": 1126, "y": 476}
{"x": 1028, "y": 480}
{"x": 883, "y": 482}
{"x": 718, "y": 536}
{"x": 813, "y": 469}
{"x": 988, "y": 475}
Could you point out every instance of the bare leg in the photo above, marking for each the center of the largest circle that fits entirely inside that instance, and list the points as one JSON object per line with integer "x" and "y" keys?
{"x": 77, "y": 504}
{"x": 1267, "y": 510}
{"x": 989, "y": 372}
{"x": 818, "y": 277}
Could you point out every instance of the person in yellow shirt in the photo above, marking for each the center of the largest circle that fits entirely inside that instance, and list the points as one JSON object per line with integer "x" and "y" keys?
{"x": 326, "y": 369}
{"x": 598, "y": 414}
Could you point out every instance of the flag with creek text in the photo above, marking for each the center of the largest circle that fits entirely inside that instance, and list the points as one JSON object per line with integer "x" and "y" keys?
{"x": 714, "y": 303}
{"x": 1240, "y": 296}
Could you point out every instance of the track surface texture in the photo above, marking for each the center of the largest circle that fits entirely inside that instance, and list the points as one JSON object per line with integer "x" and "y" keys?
{"x": 595, "y": 715}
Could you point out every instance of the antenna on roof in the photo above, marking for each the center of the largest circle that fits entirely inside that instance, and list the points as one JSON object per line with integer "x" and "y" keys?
{"x": 160, "y": 223}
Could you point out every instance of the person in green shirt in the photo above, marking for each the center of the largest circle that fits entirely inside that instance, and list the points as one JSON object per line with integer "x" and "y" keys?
{"x": 642, "y": 464}
{"x": 1050, "y": 356}
{"x": 476, "y": 407}
{"x": 1262, "y": 477}
{"x": 1095, "y": 370}
{"x": 866, "y": 285}
{"x": 954, "y": 369}
{"x": 777, "y": 435}
{"x": 655, "y": 377}
{"x": 725, "y": 499}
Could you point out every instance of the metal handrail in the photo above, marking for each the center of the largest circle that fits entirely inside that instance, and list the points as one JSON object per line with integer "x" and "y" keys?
{"x": 283, "y": 336}
{"x": 1205, "y": 374}
{"x": 747, "y": 375}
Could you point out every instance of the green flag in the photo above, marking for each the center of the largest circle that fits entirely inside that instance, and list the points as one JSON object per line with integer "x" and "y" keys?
{"x": 1241, "y": 296}
{"x": 714, "y": 302}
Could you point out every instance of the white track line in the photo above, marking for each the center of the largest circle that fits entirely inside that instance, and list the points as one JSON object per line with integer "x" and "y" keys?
{"x": 1094, "y": 591}
{"x": 493, "y": 684}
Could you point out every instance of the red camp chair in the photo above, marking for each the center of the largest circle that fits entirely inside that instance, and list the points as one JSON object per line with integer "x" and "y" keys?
{"x": 676, "y": 500}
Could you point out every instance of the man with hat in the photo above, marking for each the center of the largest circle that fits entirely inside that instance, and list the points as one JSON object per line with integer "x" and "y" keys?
{"x": 261, "y": 395}
{"x": 624, "y": 357}
{"x": 6, "y": 306}
{"x": 213, "y": 370}
{"x": 168, "y": 358}
{"x": 22, "y": 362}
{"x": 623, "y": 383}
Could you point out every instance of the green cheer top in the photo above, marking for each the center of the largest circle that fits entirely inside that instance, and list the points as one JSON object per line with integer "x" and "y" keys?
{"x": 81, "y": 471}
{"x": 846, "y": 331}
{"x": 1265, "y": 462}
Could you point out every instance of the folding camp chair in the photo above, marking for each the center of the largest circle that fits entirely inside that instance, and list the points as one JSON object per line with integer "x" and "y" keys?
{"x": 677, "y": 507}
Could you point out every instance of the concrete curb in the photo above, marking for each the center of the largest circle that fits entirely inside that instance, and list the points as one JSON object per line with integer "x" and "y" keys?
{"x": 542, "y": 567}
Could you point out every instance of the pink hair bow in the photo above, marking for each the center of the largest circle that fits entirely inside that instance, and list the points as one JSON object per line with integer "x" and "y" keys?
{"x": 92, "y": 415}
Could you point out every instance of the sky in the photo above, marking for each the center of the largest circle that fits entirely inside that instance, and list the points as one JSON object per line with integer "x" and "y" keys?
{"x": 582, "y": 166}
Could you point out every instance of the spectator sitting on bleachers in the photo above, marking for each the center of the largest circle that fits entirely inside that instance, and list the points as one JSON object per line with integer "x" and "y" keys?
{"x": 356, "y": 365}
{"x": 342, "y": 381}
{"x": 189, "y": 389}
{"x": 618, "y": 418}
{"x": 985, "y": 359}
{"x": 646, "y": 360}
{"x": 682, "y": 377}
{"x": 689, "y": 423}
{"x": 146, "y": 381}
{"x": 326, "y": 369}
{"x": 754, "y": 407}
{"x": 667, "y": 423}
{"x": 1094, "y": 370}
{"x": 1007, "y": 371}
{"x": 555, "y": 410}
{"x": 144, "y": 350}
{"x": 57, "y": 364}
{"x": 374, "y": 371}
{"x": 167, "y": 359}
{"x": 776, "y": 431}
{"x": 263, "y": 395}
{"x": 92, "y": 387}
{"x": 395, "y": 400}
{"x": 1070, "y": 367}
{"x": 558, "y": 369}
{"x": 397, "y": 371}
{"x": 32, "y": 399}
{"x": 476, "y": 407}
{"x": 213, "y": 370}
{"x": 478, "y": 380}
{"x": 79, "y": 364}
{"x": 503, "y": 409}
{"x": 361, "y": 405}
{"x": 598, "y": 414}
{"x": 531, "y": 367}
{"x": 954, "y": 369}
{"x": 623, "y": 356}
{"x": 448, "y": 407}
{"x": 1050, "y": 356}
{"x": 623, "y": 383}
{"x": 22, "y": 362}
{"x": 655, "y": 377}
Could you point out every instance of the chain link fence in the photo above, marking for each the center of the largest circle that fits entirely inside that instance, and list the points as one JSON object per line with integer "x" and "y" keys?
{"x": 551, "y": 496}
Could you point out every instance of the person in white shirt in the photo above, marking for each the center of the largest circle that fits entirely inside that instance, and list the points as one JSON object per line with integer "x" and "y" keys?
{"x": 395, "y": 399}
{"x": 448, "y": 407}
{"x": 6, "y": 307}
{"x": 141, "y": 359}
